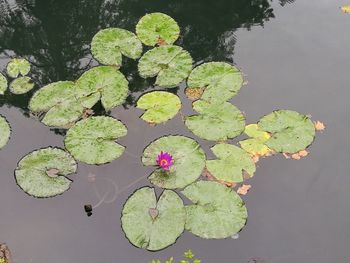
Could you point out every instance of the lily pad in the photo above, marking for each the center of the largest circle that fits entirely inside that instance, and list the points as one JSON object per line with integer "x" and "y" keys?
{"x": 108, "y": 46}
{"x": 290, "y": 131}
{"x": 21, "y": 85}
{"x": 5, "y": 132}
{"x": 216, "y": 121}
{"x": 217, "y": 212}
{"x": 104, "y": 82}
{"x": 171, "y": 65}
{"x": 256, "y": 145}
{"x": 18, "y": 66}
{"x": 32, "y": 172}
{"x": 3, "y": 84}
{"x": 219, "y": 81}
{"x": 157, "y": 28}
{"x": 188, "y": 161}
{"x": 160, "y": 106}
{"x": 92, "y": 140}
{"x": 232, "y": 163}
{"x": 152, "y": 224}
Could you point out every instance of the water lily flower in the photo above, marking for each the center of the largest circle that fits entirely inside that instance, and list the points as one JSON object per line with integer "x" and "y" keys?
{"x": 165, "y": 160}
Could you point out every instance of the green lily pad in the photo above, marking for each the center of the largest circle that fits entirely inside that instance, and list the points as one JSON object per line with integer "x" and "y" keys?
{"x": 217, "y": 212}
{"x": 42, "y": 173}
{"x": 219, "y": 81}
{"x": 105, "y": 82}
{"x": 21, "y": 85}
{"x": 152, "y": 224}
{"x": 108, "y": 46}
{"x": 290, "y": 131}
{"x": 3, "y": 84}
{"x": 160, "y": 106}
{"x": 256, "y": 145}
{"x": 188, "y": 161}
{"x": 157, "y": 28}
{"x": 232, "y": 163}
{"x": 5, "y": 132}
{"x": 171, "y": 65}
{"x": 216, "y": 121}
{"x": 92, "y": 140}
{"x": 18, "y": 66}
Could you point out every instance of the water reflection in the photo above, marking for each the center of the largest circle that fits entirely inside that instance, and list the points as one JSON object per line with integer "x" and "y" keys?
{"x": 55, "y": 35}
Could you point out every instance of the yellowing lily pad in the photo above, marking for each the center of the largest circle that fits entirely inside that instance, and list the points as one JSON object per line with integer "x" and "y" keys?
{"x": 150, "y": 223}
{"x": 17, "y": 67}
{"x": 256, "y": 145}
{"x": 33, "y": 172}
{"x": 5, "y": 132}
{"x": 109, "y": 44}
{"x": 3, "y": 84}
{"x": 21, "y": 85}
{"x": 160, "y": 106}
{"x": 157, "y": 28}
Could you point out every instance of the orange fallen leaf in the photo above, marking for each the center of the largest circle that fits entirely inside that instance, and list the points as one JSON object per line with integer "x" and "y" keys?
{"x": 256, "y": 158}
{"x": 319, "y": 126}
{"x": 303, "y": 153}
{"x": 286, "y": 156}
{"x": 243, "y": 190}
{"x": 296, "y": 156}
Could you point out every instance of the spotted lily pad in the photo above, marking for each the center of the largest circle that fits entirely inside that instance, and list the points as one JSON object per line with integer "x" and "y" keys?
{"x": 290, "y": 131}
{"x": 5, "y": 131}
{"x": 217, "y": 212}
{"x": 256, "y": 144}
{"x": 216, "y": 121}
{"x": 231, "y": 164}
{"x": 92, "y": 140}
{"x": 157, "y": 28}
{"x": 188, "y": 161}
{"x": 171, "y": 65}
{"x": 104, "y": 82}
{"x": 160, "y": 106}
{"x": 3, "y": 84}
{"x": 18, "y": 66}
{"x": 219, "y": 81}
{"x": 21, "y": 85}
{"x": 150, "y": 223}
{"x": 108, "y": 46}
{"x": 32, "y": 172}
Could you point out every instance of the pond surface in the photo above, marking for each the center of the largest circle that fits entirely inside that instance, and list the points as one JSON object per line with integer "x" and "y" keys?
{"x": 296, "y": 56}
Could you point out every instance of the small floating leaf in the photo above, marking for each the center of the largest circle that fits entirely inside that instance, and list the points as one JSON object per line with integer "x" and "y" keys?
{"x": 160, "y": 106}
{"x": 171, "y": 65}
{"x": 18, "y": 66}
{"x": 108, "y": 46}
{"x": 32, "y": 172}
{"x": 219, "y": 81}
{"x": 105, "y": 82}
{"x": 157, "y": 28}
{"x": 5, "y": 131}
{"x": 21, "y": 85}
{"x": 3, "y": 84}
{"x": 290, "y": 131}
{"x": 319, "y": 126}
{"x": 217, "y": 212}
{"x": 152, "y": 224}
{"x": 231, "y": 164}
{"x": 244, "y": 189}
{"x": 216, "y": 121}
{"x": 92, "y": 140}
{"x": 188, "y": 161}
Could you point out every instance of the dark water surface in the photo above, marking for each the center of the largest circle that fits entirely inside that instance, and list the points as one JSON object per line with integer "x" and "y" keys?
{"x": 296, "y": 55}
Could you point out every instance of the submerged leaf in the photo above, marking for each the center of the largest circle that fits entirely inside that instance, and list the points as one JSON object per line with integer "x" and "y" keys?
{"x": 32, "y": 172}
{"x": 153, "y": 231}
{"x": 290, "y": 131}
{"x": 219, "y": 81}
{"x": 18, "y": 66}
{"x": 216, "y": 121}
{"x": 217, "y": 212}
{"x": 157, "y": 28}
{"x": 188, "y": 161}
{"x": 231, "y": 164}
{"x": 105, "y": 82}
{"x": 108, "y": 46}
{"x": 21, "y": 85}
{"x": 92, "y": 140}
{"x": 5, "y": 131}
{"x": 160, "y": 106}
{"x": 3, "y": 84}
{"x": 171, "y": 65}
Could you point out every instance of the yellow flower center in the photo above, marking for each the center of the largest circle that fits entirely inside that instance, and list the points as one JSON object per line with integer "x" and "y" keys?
{"x": 163, "y": 162}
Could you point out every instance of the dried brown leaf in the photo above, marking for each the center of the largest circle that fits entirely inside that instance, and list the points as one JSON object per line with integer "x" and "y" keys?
{"x": 243, "y": 190}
